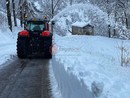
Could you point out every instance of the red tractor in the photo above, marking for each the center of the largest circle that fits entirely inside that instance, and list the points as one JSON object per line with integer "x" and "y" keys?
{"x": 35, "y": 40}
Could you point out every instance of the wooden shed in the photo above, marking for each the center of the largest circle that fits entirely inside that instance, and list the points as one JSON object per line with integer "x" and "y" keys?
{"x": 82, "y": 28}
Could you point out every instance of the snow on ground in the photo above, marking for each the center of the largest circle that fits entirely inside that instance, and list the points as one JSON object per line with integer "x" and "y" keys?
{"x": 7, "y": 40}
{"x": 90, "y": 64}
{"x": 56, "y": 93}
{"x": 6, "y": 52}
{"x": 7, "y": 45}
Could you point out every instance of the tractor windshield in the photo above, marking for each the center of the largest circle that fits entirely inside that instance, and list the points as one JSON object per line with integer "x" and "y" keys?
{"x": 36, "y": 26}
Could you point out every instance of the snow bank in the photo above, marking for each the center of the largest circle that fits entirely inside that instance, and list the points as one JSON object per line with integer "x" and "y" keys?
{"x": 7, "y": 39}
{"x": 56, "y": 93}
{"x": 91, "y": 63}
{"x": 87, "y": 13}
{"x": 69, "y": 85}
{"x": 7, "y": 45}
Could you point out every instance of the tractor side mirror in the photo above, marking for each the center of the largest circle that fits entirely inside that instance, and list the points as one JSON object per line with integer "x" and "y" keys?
{"x": 53, "y": 22}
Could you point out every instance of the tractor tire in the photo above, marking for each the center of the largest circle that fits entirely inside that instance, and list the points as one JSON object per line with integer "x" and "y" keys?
{"x": 48, "y": 53}
{"x": 22, "y": 47}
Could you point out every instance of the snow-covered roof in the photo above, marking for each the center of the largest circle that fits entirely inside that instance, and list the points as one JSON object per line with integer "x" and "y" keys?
{"x": 80, "y": 24}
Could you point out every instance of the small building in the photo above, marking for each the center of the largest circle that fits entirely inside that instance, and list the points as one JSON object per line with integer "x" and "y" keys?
{"x": 82, "y": 28}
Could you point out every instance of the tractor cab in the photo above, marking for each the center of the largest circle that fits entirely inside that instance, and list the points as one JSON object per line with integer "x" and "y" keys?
{"x": 35, "y": 39}
{"x": 36, "y": 24}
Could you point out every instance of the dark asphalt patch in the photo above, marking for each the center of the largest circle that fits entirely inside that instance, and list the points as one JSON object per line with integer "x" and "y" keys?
{"x": 25, "y": 79}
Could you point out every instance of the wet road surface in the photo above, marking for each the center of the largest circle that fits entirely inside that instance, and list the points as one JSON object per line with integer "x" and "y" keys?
{"x": 25, "y": 79}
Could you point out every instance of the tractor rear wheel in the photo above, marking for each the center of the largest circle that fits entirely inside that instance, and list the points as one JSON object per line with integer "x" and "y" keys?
{"x": 48, "y": 55}
{"x": 48, "y": 52}
{"x": 22, "y": 47}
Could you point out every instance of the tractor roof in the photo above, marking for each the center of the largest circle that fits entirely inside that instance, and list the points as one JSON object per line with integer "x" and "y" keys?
{"x": 36, "y": 19}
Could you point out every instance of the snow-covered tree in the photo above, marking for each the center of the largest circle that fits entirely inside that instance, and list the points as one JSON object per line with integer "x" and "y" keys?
{"x": 25, "y": 8}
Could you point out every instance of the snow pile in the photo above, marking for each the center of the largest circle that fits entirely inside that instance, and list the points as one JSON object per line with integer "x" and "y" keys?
{"x": 56, "y": 93}
{"x": 87, "y": 13}
{"x": 91, "y": 63}
{"x": 68, "y": 84}
{"x": 7, "y": 46}
{"x": 7, "y": 39}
